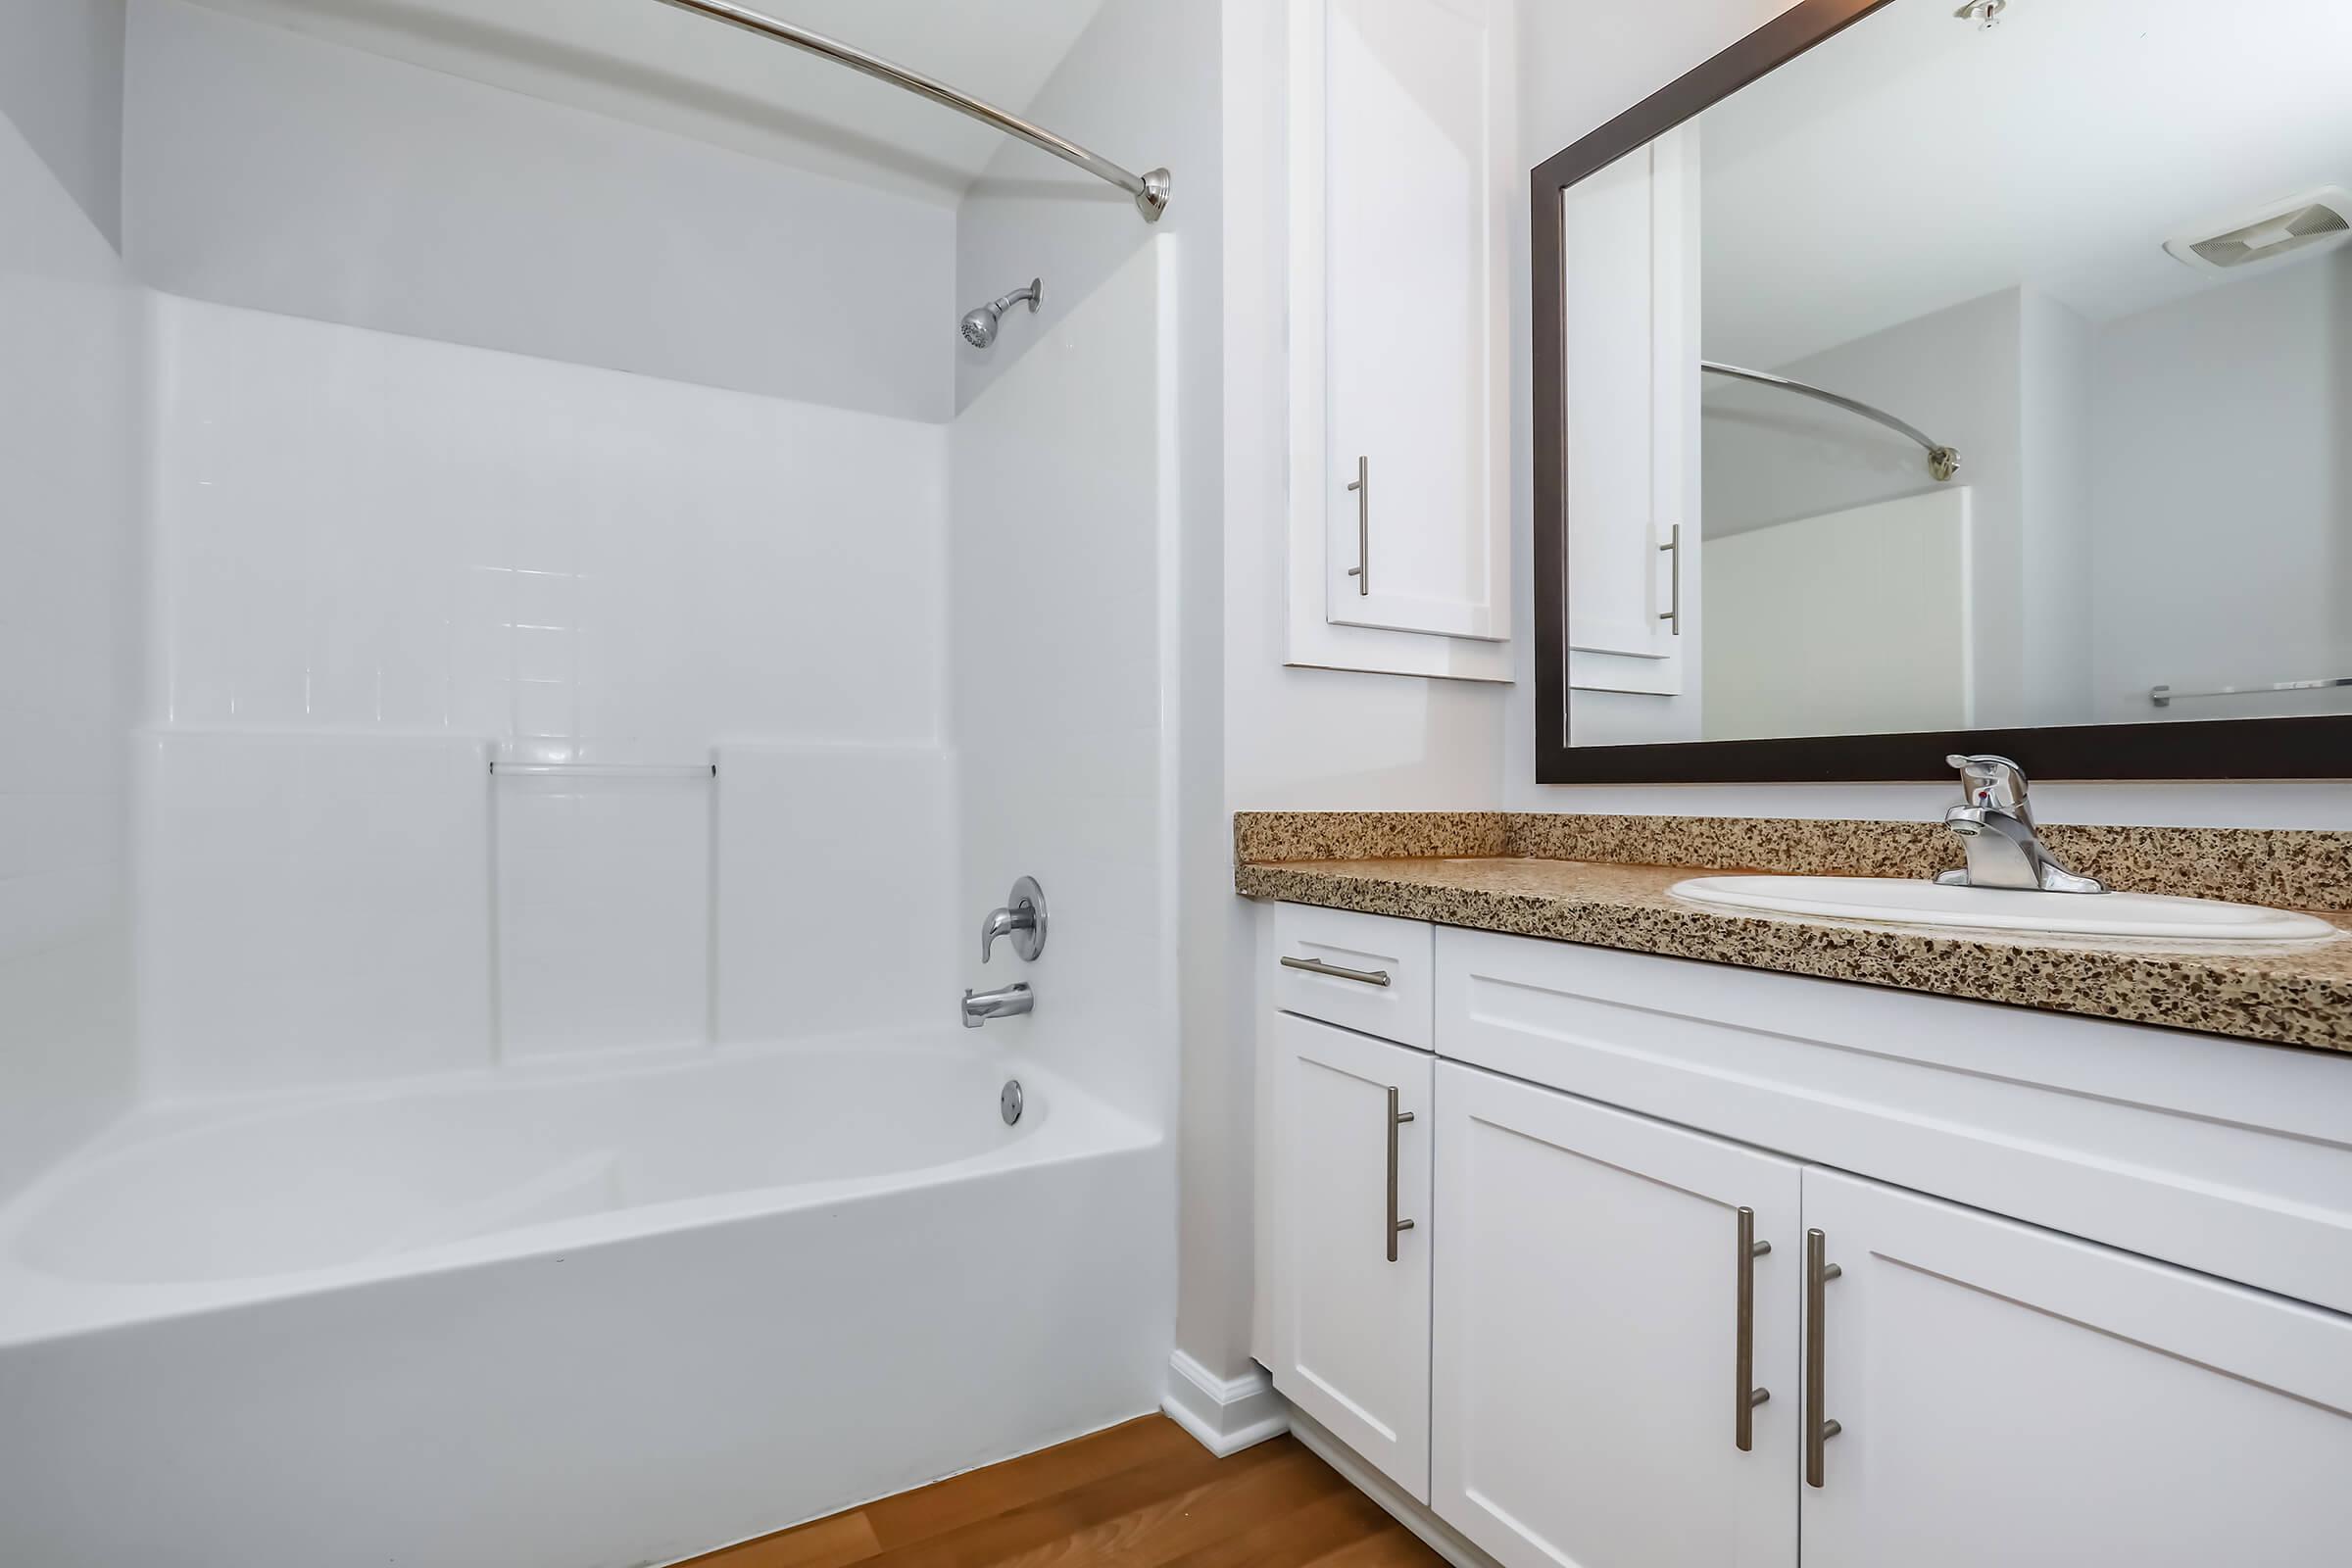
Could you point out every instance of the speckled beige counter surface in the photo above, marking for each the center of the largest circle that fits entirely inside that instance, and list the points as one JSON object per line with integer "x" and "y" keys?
{"x": 2300, "y": 996}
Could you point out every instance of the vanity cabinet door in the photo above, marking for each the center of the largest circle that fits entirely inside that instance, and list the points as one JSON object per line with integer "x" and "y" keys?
{"x": 2008, "y": 1395}
{"x": 1593, "y": 1401}
{"x": 1351, "y": 1156}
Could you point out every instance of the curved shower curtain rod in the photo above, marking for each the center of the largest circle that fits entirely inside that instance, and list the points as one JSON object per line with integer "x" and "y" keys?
{"x": 1943, "y": 460}
{"x": 1149, "y": 189}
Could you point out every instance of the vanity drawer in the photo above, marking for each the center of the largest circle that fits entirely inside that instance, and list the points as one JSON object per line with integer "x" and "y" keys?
{"x": 2219, "y": 1155}
{"x": 1365, "y": 972}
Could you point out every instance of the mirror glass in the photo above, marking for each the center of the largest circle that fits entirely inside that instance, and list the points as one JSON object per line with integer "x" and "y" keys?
{"x": 1998, "y": 372}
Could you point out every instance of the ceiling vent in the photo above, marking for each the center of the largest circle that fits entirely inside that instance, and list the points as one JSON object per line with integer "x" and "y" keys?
{"x": 2304, "y": 226}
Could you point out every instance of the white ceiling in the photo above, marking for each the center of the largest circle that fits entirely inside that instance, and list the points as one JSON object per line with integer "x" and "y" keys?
{"x": 1914, "y": 162}
{"x": 642, "y": 61}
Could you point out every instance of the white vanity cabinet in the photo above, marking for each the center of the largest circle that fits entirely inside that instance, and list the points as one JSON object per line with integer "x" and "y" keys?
{"x": 2008, "y": 1395}
{"x": 1612, "y": 1295}
{"x": 2084, "y": 1287}
{"x": 1353, "y": 1119}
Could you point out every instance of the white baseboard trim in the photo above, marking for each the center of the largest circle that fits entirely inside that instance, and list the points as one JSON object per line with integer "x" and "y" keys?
{"x": 1439, "y": 1537}
{"x": 1225, "y": 1414}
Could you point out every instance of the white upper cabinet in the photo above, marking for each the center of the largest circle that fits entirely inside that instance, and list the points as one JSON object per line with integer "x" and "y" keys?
{"x": 1629, "y": 256}
{"x": 1401, "y": 398}
{"x": 2007, "y": 1394}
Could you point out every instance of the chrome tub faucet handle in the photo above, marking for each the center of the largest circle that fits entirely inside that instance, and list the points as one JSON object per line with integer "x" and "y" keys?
{"x": 1022, "y": 918}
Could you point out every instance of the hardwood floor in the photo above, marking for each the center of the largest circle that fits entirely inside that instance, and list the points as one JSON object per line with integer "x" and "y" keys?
{"x": 1142, "y": 1495}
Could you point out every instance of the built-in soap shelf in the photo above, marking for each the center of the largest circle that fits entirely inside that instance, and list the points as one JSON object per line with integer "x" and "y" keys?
{"x": 646, "y": 771}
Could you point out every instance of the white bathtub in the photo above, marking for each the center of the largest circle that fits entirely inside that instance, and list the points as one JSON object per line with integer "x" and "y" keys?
{"x": 566, "y": 1316}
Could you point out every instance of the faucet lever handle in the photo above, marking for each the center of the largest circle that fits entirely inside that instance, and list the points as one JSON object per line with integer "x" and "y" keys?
{"x": 1022, "y": 918}
{"x": 1990, "y": 781}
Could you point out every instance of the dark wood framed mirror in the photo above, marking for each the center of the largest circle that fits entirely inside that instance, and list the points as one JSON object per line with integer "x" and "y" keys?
{"x": 1853, "y": 236}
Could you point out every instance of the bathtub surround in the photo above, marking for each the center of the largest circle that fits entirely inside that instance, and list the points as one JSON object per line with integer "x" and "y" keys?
{"x": 603, "y": 889}
{"x": 71, "y": 651}
{"x": 486, "y": 1004}
{"x": 642, "y": 1136}
{"x": 365, "y": 531}
{"x": 1064, "y": 680}
{"x": 827, "y": 853}
{"x": 315, "y": 908}
{"x": 381, "y": 561}
{"x": 1065, "y": 501}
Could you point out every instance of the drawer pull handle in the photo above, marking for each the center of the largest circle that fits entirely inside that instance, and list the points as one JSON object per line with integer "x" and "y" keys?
{"x": 1818, "y": 1430}
{"x": 1744, "y": 1348}
{"x": 1396, "y": 1119}
{"x": 1332, "y": 971}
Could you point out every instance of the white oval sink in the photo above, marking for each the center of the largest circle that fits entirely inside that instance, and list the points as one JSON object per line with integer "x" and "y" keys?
{"x": 1900, "y": 902}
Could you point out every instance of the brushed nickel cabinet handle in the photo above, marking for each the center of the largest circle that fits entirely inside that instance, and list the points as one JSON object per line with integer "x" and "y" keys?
{"x": 1396, "y": 1119}
{"x": 1332, "y": 971}
{"x": 1819, "y": 1429}
{"x": 1743, "y": 1348}
{"x": 1673, "y": 613}
{"x": 1361, "y": 571}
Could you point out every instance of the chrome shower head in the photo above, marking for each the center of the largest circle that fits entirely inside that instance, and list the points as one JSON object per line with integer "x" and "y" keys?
{"x": 980, "y": 328}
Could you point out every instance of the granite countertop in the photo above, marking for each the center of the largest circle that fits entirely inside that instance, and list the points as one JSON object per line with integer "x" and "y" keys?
{"x": 2297, "y": 994}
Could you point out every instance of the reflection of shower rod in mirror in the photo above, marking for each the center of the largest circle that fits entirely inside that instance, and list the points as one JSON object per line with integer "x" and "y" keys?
{"x": 1942, "y": 461}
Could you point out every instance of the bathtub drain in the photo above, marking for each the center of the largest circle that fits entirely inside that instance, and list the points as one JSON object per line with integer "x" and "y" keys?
{"x": 1010, "y": 1101}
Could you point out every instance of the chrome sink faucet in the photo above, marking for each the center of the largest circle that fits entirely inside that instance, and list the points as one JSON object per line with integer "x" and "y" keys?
{"x": 1995, "y": 827}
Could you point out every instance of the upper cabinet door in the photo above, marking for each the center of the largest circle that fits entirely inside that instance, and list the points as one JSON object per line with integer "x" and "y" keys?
{"x": 1594, "y": 1368}
{"x": 1415, "y": 452}
{"x": 1352, "y": 1148}
{"x": 1630, "y": 254}
{"x": 2007, "y": 1394}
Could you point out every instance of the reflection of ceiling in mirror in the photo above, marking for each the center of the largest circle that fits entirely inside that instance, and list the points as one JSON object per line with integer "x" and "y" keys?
{"x": 1914, "y": 161}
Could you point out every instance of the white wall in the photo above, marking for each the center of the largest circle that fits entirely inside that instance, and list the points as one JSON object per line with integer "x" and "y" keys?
{"x": 71, "y": 415}
{"x": 266, "y": 169}
{"x": 2224, "y": 495}
{"x": 379, "y": 557}
{"x": 1583, "y": 63}
{"x": 61, "y": 82}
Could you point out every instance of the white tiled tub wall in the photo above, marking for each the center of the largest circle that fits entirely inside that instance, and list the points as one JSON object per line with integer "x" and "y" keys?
{"x": 383, "y": 562}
